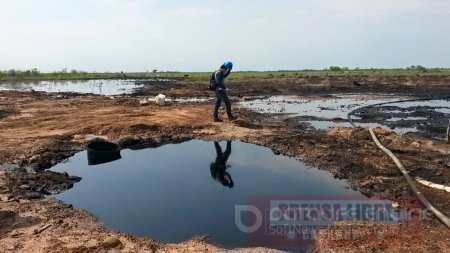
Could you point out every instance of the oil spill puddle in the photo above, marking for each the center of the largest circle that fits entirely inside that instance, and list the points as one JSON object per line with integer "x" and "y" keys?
{"x": 426, "y": 118}
{"x": 177, "y": 191}
{"x": 105, "y": 87}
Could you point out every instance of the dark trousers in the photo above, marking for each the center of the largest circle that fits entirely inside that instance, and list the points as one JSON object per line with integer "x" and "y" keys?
{"x": 221, "y": 95}
{"x": 221, "y": 157}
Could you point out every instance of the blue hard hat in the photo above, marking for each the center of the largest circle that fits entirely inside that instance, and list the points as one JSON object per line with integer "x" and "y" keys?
{"x": 228, "y": 65}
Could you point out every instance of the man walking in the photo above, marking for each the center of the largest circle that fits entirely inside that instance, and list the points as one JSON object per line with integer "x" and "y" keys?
{"x": 221, "y": 94}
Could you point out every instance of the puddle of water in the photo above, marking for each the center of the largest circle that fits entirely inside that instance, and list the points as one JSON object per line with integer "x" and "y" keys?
{"x": 334, "y": 107}
{"x": 430, "y": 103}
{"x": 404, "y": 130}
{"x": 443, "y": 110}
{"x": 177, "y": 191}
{"x": 323, "y": 114}
{"x": 424, "y": 117}
{"x": 102, "y": 87}
{"x": 406, "y": 118}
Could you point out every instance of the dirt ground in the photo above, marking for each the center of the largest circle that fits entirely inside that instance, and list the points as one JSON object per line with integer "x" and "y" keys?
{"x": 38, "y": 130}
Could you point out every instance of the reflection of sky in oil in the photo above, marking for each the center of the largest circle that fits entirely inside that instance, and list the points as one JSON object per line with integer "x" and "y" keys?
{"x": 326, "y": 113}
{"x": 333, "y": 107}
{"x": 169, "y": 193}
{"x": 102, "y": 87}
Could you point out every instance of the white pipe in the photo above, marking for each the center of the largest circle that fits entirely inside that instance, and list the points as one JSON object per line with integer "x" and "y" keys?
{"x": 433, "y": 185}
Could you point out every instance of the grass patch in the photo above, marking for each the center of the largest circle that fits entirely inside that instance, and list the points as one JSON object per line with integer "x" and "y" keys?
{"x": 36, "y": 75}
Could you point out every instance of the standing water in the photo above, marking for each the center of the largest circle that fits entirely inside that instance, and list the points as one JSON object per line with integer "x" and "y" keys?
{"x": 177, "y": 191}
{"x": 105, "y": 87}
{"x": 428, "y": 118}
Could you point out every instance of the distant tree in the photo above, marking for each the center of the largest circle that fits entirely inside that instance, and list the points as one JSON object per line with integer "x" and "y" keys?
{"x": 421, "y": 68}
{"x": 334, "y": 68}
{"x": 155, "y": 70}
{"x": 12, "y": 72}
{"x": 35, "y": 72}
{"x": 418, "y": 67}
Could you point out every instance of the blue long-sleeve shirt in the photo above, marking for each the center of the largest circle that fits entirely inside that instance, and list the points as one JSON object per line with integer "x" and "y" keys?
{"x": 220, "y": 78}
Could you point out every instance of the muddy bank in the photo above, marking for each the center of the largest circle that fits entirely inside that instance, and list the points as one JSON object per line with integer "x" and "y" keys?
{"x": 45, "y": 131}
{"x": 421, "y": 85}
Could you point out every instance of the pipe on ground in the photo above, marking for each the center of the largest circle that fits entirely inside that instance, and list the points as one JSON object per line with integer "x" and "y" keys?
{"x": 444, "y": 219}
{"x": 411, "y": 183}
{"x": 432, "y": 185}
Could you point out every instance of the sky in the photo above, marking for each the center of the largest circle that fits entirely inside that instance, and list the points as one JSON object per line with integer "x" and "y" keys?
{"x": 188, "y": 35}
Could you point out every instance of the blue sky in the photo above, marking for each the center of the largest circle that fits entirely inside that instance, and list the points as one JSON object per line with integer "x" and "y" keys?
{"x": 187, "y": 35}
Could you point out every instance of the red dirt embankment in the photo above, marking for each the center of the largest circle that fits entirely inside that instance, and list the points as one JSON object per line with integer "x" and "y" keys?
{"x": 39, "y": 130}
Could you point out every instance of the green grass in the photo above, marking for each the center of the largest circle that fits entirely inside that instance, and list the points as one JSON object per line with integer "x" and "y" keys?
{"x": 35, "y": 75}
{"x": 240, "y": 75}
{"x": 16, "y": 75}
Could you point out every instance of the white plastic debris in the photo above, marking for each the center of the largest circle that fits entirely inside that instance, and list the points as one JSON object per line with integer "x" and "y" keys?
{"x": 160, "y": 99}
{"x": 144, "y": 102}
{"x": 395, "y": 205}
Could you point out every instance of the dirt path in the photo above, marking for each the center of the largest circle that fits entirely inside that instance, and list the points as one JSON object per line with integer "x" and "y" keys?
{"x": 39, "y": 130}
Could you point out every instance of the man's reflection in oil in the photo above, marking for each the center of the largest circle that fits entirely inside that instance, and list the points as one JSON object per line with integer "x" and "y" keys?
{"x": 219, "y": 167}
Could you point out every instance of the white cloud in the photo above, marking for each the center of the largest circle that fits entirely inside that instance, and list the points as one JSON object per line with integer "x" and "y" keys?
{"x": 378, "y": 9}
{"x": 191, "y": 13}
{"x": 114, "y": 35}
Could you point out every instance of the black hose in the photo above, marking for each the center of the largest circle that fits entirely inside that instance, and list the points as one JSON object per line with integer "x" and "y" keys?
{"x": 441, "y": 217}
